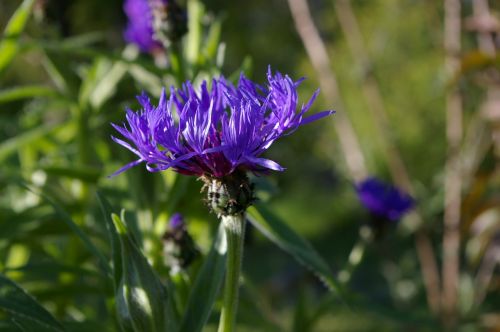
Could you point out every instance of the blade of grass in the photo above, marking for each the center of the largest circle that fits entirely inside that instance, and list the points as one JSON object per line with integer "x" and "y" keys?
{"x": 9, "y": 45}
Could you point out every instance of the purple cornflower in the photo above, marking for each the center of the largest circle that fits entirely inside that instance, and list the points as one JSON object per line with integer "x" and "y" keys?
{"x": 217, "y": 130}
{"x": 139, "y": 30}
{"x": 176, "y": 221}
{"x": 383, "y": 200}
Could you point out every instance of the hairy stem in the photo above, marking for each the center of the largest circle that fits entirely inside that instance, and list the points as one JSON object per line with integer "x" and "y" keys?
{"x": 234, "y": 226}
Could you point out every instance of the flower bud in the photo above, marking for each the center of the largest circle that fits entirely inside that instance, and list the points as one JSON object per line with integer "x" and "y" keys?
{"x": 229, "y": 195}
{"x": 169, "y": 21}
{"x": 179, "y": 249}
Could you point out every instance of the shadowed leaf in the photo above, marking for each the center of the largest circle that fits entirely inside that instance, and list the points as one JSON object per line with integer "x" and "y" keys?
{"x": 206, "y": 287}
{"x": 27, "y": 311}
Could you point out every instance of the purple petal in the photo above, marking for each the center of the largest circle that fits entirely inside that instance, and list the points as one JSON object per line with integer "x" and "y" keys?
{"x": 266, "y": 163}
{"x": 126, "y": 167}
{"x": 315, "y": 117}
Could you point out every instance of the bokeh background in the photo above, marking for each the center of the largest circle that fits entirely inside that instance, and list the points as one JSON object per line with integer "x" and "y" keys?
{"x": 55, "y": 137}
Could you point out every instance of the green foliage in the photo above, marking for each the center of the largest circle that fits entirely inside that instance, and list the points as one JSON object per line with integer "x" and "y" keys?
{"x": 68, "y": 262}
{"x": 206, "y": 287}
{"x": 26, "y": 311}
{"x": 9, "y": 45}
{"x": 143, "y": 302}
{"x": 278, "y": 232}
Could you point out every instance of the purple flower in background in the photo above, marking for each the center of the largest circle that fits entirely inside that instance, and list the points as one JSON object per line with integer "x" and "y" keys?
{"x": 176, "y": 221}
{"x": 139, "y": 29}
{"x": 215, "y": 131}
{"x": 383, "y": 200}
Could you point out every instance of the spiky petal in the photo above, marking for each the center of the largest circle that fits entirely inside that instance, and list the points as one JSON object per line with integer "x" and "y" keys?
{"x": 218, "y": 129}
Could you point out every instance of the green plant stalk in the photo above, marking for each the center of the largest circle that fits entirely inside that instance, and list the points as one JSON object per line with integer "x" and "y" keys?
{"x": 356, "y": 255}
{"x": 234, "y": 226}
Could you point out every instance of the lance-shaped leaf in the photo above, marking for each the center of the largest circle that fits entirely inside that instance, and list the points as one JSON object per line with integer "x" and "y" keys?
{"x": 142, "y": 299}
{"x": 24, "y": 308}
{"x": 206, "y": 287}
{"x": 9, "y": 44}
{"x": 26, "y": 92}
{"x": 287, "y": 239}
{"x": 113, "y": 239}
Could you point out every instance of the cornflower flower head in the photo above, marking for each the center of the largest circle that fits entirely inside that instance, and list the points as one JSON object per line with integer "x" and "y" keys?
{"x": 216, "y": 131}
{"x": 383, "y": 200}
{"x": 176, "y": 221}
{"x": 152, "y": 24}
{"x": 139, "y": 30}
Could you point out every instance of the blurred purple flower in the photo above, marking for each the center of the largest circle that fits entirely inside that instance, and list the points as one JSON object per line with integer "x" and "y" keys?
{"x": 176, "y": 221}
{"x": 217, "y": 130}
{"x": 139, "y": 29}
{"x": 383, "y": 200}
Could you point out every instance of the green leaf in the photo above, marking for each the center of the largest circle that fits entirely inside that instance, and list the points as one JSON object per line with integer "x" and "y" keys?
{"x": 12, "y": 145}
{"x": 193, "y": 41}
{"x": 25, "y": 92}
{"x": 25, "y": 308}
{"x": 142, "y": 300}
{"x": 28, "y": 325}
{"x": 113, "y": 237}
{"x": 287, "y": 239}
{"x": 84, "y": 173}
{"x": 300, "y": 317}
{"x": 206, "y": 287}
{"x": 97, "y": 71}
{"x": 9, "y": 45}
{"x": 103, "y": 263}
{"x": 212, "y": 41}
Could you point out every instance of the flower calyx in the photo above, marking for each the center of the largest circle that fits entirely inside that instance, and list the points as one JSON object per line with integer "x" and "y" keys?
{"x": 229, "y": 195}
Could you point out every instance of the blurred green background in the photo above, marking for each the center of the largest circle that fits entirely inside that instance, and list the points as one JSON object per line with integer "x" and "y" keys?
{"x": 56, "y": 138}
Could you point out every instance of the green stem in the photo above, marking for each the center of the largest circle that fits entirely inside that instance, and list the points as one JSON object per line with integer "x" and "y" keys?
{"x": 356, "y": 255}
{"x": 234, "y": 226}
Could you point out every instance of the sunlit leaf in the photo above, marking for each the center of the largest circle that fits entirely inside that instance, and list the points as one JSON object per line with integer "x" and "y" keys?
{"x": 9, "y": 45}
{"x": 142, "y": 300}
{"x": 25, "y": 92}
{"x": 193, "y": 42}
{"x": 212, "y": 41}
{"x": 66, "y": 218}
{"x": 13, "y": 144}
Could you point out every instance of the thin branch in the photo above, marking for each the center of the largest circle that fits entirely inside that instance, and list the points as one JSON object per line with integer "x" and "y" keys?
{"x": 316, "y": 51}
{"x": 453, "y": 180}
{"x": 399, "y": 173}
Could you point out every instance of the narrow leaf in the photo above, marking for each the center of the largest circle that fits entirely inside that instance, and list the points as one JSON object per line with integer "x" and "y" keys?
{"x": 84, "y": 173}
{"x": 23, "y": 307}
{"x": 193, "y": 42}
{"x": 9, "y": 45}
{"x": 213, "y": 39}
{"x": 13, "y": 144}
{"x": 28, "y": 325}
{"x": 287, "y": 239}
{"x": 25, "y": 92}
{"x": 113, "y": 237}
{"x": 206, "y": 287}
{"x": 103, "y": 263}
